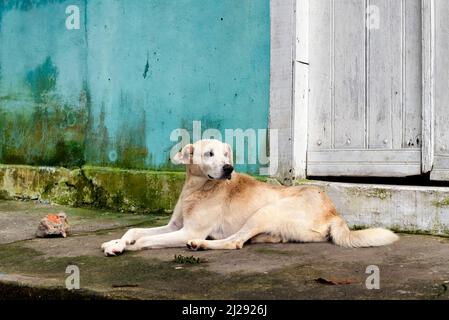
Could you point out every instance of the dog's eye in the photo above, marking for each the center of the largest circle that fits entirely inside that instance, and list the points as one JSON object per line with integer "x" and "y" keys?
{"x": 209, "y": 154}
{"x": 225, "y": 154}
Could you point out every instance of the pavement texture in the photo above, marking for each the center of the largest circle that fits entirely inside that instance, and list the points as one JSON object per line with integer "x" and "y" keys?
{"x": 416, "y": 267}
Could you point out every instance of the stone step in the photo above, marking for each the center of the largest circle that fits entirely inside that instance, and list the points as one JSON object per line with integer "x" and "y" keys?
{"x": 415, "y": 209}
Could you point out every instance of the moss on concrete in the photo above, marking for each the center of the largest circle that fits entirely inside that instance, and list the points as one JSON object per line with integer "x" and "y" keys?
{"x": 181, "y": 259}
{"x": 4, "y": 195}
{"x": 272, "y": 251}
{"x": 15, "y": 291}
{"x": 154, "y": 274}
{"x": 441, "y": 203}
{"x": 12, "y": 255}
{"x": 379, "y": 193}
{"x": 125, "y": 190}
{"x": 440, "y": 232}
{"x": 134, "y": 191}
{"x": 152, "y": 278}
{"x": 118, "y": 189}
{"x": 298, "y": 182}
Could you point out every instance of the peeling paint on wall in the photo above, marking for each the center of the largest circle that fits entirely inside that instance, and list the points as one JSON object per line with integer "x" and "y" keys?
{"x": 112, "y": 92}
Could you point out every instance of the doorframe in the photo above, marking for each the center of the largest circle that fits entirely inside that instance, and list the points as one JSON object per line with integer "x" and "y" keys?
{"x": 288, "y": 95}
{"x": 428, "y": 83}
{"x": 301, "y": 93}
{"x": 289, "y": 85}
{"x": 282, "y": 52}
{"x": 289, "y": 79}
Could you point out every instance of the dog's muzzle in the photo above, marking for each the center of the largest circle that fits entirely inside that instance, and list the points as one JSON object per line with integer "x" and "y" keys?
{"x": 227, "y": 171}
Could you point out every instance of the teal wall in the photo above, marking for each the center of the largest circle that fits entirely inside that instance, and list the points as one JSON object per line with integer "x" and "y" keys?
{"x": 111, "y": 92}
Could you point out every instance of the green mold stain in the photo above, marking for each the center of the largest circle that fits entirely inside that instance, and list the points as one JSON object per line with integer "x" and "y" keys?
{"x": 379, "y": 193}
{"x": 180, "y": 259}
{"x": 441, "y": 203}
{"x": 51, "y": 135}
{"x": 42, "y": 79}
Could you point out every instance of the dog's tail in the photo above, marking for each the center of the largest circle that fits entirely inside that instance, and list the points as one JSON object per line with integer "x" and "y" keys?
{"x": 342, "y": 236}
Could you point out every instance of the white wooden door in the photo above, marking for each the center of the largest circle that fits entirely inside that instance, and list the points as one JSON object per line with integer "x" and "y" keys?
{"x": 440, "y": 168}
{"x": 365, "y": 88}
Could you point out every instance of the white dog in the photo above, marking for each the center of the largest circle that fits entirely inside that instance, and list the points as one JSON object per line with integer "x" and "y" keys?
{"x": 219, "y": 209}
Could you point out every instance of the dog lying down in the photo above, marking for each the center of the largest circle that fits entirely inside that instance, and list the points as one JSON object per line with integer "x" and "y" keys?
{"x": 222, "y": 209}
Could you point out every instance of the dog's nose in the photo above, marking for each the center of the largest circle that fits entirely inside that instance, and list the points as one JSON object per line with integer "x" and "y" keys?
{"x": 227, "y": 168}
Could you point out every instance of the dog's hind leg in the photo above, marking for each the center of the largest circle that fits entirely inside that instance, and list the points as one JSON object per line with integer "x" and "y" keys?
{"x": 266, "y": 238}
{"x": 259, "y": 223}
{"x": 132, "y": 235}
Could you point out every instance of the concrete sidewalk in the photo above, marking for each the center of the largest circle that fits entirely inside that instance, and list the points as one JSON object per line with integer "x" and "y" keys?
{"x": 416, "y": 267}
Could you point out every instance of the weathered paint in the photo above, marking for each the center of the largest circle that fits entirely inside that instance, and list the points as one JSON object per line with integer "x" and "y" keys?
{"x": 111, "y": 92}
{"x": 415, "y": 209}
{"x": 365, "y": 97}
{"x": 43, "y": 114}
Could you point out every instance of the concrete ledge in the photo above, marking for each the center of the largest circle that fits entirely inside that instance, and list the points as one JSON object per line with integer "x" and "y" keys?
{"x": 402, "y": 208}
{"x": 117, "y": 189}
{"x": 413, "y": 209}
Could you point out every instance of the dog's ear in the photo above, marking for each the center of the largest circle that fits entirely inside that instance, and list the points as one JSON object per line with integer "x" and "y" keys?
{"x": 230, "y": 154}
{"x": 184, "y": 156}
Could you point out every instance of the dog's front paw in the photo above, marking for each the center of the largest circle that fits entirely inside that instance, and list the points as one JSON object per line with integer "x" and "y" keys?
{"x": 104, "y": 245}
{"x": 113, "y": 247}
{"x": 196, "y": 245}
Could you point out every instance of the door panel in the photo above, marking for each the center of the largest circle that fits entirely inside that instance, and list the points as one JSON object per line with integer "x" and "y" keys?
{"x": 348, "y": 74}
{"x": 384, "y": 85}
{"x": 374, "y": 162}
{"x": 413, "y": 92}
{"x": 320, "y": 46}
{"x": 364, "y": 88}
{"x": 440, "y": 170}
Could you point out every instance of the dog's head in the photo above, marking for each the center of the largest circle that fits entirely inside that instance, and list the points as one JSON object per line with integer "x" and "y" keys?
{"x": 209, "y": 158}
